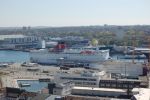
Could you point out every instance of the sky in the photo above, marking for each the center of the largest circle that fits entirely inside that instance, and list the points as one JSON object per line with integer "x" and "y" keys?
{"x": 16, "y": 13}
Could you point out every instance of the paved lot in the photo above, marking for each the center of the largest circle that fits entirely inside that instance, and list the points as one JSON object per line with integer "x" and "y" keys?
{"x": 16, "y": 71}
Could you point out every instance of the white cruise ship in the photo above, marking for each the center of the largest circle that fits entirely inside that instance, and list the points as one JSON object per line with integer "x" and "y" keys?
{"x": 87, "y": 54}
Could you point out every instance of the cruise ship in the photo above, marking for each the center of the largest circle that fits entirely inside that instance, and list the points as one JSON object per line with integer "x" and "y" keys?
{"x": 59, "y": 54}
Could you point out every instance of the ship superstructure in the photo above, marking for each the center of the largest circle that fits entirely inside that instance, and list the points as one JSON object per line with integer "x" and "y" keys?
{"x": 86, "y": 54}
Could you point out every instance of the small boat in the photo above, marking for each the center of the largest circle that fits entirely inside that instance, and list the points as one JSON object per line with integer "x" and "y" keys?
{"x": 44, "y": 80}
{"x": 24, "y": 85}
{"x": 135, "y": 56}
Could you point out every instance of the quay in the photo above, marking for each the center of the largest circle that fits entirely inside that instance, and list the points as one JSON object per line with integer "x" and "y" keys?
{"x": 15, "y": 71}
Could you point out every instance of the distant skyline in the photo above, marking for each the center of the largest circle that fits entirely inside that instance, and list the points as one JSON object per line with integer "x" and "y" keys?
{"x": 57, "y": 13}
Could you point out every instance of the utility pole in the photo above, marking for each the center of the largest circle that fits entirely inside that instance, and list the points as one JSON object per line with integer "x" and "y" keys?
{"x": 125, "y": 71}
{"x": 133, "y": 44}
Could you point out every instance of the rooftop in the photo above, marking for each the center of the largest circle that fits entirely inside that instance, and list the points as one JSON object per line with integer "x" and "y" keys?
{"x": 141, "y": 92}
{"x": 101, "y": 89}
{"x": 84, "y": 73}
{"x": 2, "y": 37}
{"x": 129, "y": 80}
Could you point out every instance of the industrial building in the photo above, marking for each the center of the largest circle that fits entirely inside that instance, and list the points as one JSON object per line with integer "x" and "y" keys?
{"x": 141, "y": 94}
{"x": 84, "y": 79}
{"x": 104, "y": 92}
{"x": 20, "y": 42}
{"x": 72, "y": 40}
{"x": 126, "y": 69}
{"x": 63, "y": 88}
{"x": 122, "y": 83}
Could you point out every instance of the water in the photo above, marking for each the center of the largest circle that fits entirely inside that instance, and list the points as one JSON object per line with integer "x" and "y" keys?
{"x": 14, "y": 56}
{"x": 20, "y": 56}
{"x": 120, "y": 57}
{"x": 35, "y": 85}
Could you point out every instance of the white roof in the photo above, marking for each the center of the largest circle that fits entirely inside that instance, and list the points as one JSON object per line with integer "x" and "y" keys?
{"x": 2, "y": 37}
{"x": 143, "y": 93}
{"x": 100, "y": 89}
{"x": 142, "y": 49}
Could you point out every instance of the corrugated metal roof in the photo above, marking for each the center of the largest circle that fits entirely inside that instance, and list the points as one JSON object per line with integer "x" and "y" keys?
{"x": 2, "y": 37}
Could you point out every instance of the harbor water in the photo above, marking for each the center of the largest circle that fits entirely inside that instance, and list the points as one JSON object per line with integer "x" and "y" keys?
{"x": 20, "y": 57}
{"x": 35, "y": 85}
{"x": 14, "y": 56}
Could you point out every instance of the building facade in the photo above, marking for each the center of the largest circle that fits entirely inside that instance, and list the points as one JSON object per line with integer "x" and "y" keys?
{"x": 84, "y": 79}
{"x": 20, "y": 42}
{"x": 63, "y": 88}
{"x": 122, "y": 83}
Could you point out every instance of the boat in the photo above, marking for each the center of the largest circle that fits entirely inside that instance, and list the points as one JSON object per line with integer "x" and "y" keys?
{"x": 4, "y": 64}
{"x": 142, "y": 56}
{"x": 24, "y": 85}
{"x": 44, "y": 80}
{"x": 61, "y": 54}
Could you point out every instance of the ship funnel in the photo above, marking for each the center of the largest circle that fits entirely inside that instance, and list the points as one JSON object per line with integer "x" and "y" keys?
{"x": 61, "y": 46}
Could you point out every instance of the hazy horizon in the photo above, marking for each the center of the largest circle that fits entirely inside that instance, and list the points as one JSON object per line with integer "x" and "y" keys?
{"x": 70, "y": 26}
{"x": 64, "y": 13}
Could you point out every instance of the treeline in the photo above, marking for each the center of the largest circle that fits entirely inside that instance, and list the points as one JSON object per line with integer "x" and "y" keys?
{"x": 107, "y": 34}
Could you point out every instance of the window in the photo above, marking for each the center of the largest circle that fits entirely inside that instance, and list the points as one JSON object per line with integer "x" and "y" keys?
{"x": 102, "y": 85}
{"x": 130, "y": 86}
{"x": 125, "y": 86}
{"x": 107, "y": 85}
{"x": 113, "y": 85}
{"x": 77, "y": 82}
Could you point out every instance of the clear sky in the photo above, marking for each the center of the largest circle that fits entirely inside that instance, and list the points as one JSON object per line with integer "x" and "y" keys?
{"x": 73, "y": 12}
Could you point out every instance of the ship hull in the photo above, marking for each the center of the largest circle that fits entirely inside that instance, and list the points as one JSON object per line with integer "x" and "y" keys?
{"x": 55, "y": 58}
